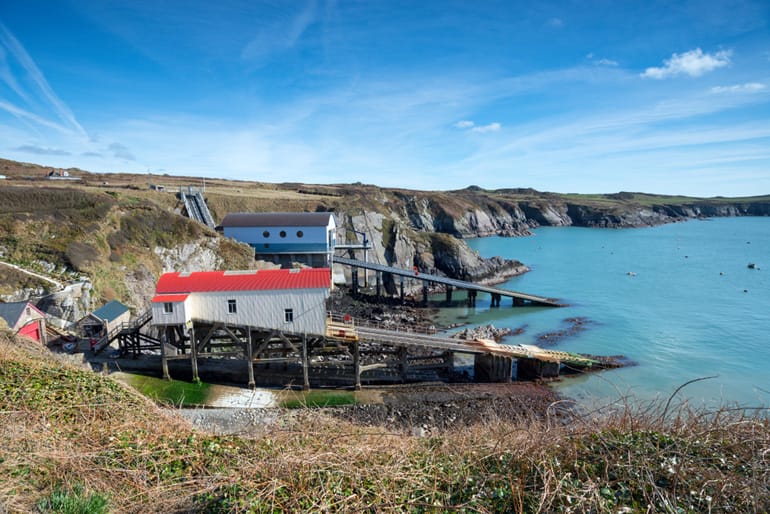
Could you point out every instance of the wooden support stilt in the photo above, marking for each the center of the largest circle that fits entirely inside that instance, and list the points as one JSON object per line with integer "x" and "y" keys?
{"x": 305, "y": 365}
{"x": 425, "y": 293}
{"x": 378, "y": 282}
{"x": 402, "y": 288}
{"x": 354, "y": 280}
{"x": 448, "y": 294}
{"x": 403, "y": 362}
{"x": 357, "y": 365}
{"x": 194, "y": 355}
{"x": 250, "y": 359}
{"x": 449, "y": 361}
{"x": 163, "y": 359}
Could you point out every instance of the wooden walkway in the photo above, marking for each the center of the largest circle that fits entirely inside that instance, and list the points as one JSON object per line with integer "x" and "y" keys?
{"x": 359, "y": 331}
{"x": 519, "y": 298}
{"x": 383, "y": 353}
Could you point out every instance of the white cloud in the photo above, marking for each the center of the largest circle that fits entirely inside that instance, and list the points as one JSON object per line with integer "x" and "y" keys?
{"x": 606, "y": 62}
{"x": 120, "y": 151}
{"x": 280, "y": 35}
{"x": 482, "y": 129}
{"x": 693, "y": 63}
{"x": 21, "y": 114}
{"x": 17, "y": 51}
{"x": 41, "y": 150}
{"x": 749, "y": 87}
{"x": 556, "y": 23}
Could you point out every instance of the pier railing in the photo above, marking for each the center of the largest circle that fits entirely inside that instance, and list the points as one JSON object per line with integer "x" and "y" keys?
{"x": 389, "y": 325}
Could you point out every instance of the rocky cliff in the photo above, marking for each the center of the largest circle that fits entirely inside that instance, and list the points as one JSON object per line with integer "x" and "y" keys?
{"x": 474, "y": 212}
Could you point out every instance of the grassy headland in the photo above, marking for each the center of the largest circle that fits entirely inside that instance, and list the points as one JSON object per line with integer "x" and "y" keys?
{"x": 108, "y": 226}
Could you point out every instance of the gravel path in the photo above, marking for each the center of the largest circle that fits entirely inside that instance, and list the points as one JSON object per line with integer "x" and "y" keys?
{"x": 417, "y": 409}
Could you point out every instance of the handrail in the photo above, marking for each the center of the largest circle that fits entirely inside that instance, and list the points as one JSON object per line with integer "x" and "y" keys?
{"x": 459, "y": 284}
{"x": 136, "y": 324}
{"x": 381, "y": 325}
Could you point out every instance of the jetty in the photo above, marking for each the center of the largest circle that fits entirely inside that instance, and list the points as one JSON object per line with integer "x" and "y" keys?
{"x": 496, "y": 293}
{"x": 351, "y": 353}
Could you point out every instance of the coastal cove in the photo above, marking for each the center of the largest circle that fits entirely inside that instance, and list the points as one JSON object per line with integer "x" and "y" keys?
{"x": 679, "y": 300}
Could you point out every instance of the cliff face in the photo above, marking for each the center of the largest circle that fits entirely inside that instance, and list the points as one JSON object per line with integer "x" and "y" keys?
{"x": 478, "y": 213}
{"x": 410, "y": 241}
{"x": 426, "y": 229}
{"x": 583, "y": 216}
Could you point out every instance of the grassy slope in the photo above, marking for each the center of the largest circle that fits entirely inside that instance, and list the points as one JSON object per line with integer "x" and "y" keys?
{"x": 72, "y": 434}
{"x": 105, "y": 234}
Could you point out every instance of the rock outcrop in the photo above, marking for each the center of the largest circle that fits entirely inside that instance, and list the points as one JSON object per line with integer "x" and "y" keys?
{"x": 409, "y": 242}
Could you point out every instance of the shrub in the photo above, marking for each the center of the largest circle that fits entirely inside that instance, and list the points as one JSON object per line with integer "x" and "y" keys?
{"x": 73, "y": 501}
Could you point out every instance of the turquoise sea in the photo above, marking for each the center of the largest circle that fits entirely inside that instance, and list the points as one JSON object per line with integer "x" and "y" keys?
{"x": 679, "y": 300}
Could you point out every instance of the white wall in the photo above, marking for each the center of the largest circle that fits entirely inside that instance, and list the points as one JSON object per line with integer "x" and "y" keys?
{"x": 178, "y": 317}
{"x": 123, "y": 318}
{"x": 263, "y": 309}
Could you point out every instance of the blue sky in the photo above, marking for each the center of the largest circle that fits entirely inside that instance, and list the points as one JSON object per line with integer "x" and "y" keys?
{"x": 567, "y": 96}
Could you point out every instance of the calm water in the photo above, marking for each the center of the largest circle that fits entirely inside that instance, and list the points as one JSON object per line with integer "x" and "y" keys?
{"x": 691, "y": 307}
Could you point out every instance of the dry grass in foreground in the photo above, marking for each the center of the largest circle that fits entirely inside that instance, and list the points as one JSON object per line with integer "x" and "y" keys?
{"x": 75, "y": 441}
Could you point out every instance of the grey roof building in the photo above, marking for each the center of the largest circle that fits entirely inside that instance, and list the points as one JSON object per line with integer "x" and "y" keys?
{"x": 285, "y": 237}
{"x": 104, "y": 319}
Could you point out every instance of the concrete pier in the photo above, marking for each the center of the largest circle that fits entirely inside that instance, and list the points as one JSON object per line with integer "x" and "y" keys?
{"x": 492, "y": 368}
{"x": 533, "y": 369}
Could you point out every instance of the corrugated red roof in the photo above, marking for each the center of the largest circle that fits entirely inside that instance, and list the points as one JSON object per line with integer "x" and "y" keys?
{"x": 262, "y": 280}
{"x": 162, "y": 298}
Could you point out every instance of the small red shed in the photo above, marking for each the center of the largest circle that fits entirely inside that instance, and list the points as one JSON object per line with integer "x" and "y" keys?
{"x": 25, "y": 319}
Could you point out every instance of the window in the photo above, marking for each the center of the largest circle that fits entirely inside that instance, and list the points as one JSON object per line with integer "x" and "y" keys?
{"x": 168, "y": 307}
{"x": 288, "y": 315}
{"x": 265, "y": 234}
{"x": 300, "y": 233}
{"x": 283, "y": 233}
{"x": 231, "y": 307}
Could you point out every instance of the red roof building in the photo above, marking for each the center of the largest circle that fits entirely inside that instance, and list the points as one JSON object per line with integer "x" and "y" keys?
{"x": 290, "y": 300}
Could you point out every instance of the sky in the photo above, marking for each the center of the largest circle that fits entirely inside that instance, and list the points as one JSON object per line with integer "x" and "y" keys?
{"x": 668, "y": 97}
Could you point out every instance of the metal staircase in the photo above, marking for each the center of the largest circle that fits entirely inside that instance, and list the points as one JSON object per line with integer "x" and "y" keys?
{"x": 196, "y": 207}
{"x": 124, "y": 329}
